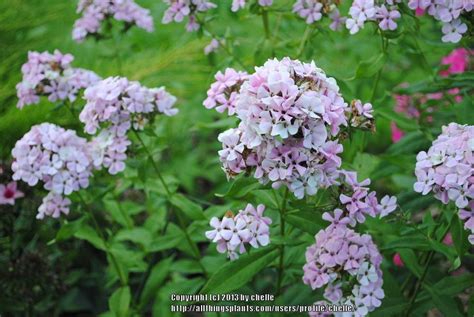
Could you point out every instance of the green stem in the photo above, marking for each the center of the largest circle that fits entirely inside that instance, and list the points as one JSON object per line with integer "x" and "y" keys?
{"x": 117, "y": 56}
{"x": 123, "y": 279}
{"x": 304, "y": 40}
{"x": 266, "y": 24}
{"x": 425, "y": 271}
{"x": 153, "y": 163}
{"x": 281, "y": 267}
{"x": 124, "y": 214}
{"x": 191, "y": 243}
{"x": 379, "y": 73}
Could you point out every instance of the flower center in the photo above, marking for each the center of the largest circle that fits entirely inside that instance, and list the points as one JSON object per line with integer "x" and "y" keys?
{"x": 8, "y": 193}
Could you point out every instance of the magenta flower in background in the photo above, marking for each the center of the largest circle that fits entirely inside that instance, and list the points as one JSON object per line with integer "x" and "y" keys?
{"x": 457, "y": 60}
{"x": 9, "y": 193}
{"x": 397, "y": 134}
{"x": 397, "y": 260}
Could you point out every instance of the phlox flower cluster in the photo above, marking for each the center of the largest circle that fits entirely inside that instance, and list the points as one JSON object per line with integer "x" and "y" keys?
{"x": 358, "y": 202}
{"x": 239, "y": 4}
{"x": 94, "y": 12}
{"x": 9, "y": 193}
{"x": 449, "y": 12}
{"x": 51, "y": 75}
{"x": 447, "y": 168}
{"x": 179, "y": 9}
{"x": 290, "y": 118}
{"x": 314, "y": 10}
{"x": 59, "y": 159}
{"x": 224, "y": 91}
{"x": 115, "y": 105}
{"x": 347, "y": 264}
{"x": 233, "y": 233}
{"x": 383, "y": 12}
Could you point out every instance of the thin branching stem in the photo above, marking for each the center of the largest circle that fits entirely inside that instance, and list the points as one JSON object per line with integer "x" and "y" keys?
{"x": 122, "y": 278}
{"x": 281, "y": 266}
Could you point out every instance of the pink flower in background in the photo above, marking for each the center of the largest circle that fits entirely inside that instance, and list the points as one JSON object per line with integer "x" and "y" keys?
{"x": 397, "y": 260}
{"x": 458, "y": 62}
{"x": 397, "y": 134}
{"x": 419, "y": 12}
{"x": 448, "y": 239}
{"x": 8, "y": 193}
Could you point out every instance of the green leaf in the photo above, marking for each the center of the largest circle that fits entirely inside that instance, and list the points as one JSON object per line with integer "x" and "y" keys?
{"x": 68, "y": 229}
{"x": 307, "y": 221}
{"x": 402, "y": 122}
{"x": 240, "y": 187}
{"x": 86, "y": 232}
{"x": 157, "y": 276}
{"x": 119, "y": 302}
{"x": 118, "y": 212}
{"x": 411, "y": 143}
{"x": 237, "y": 273}
{"x": 416, "y": 242}
{"x": 139, "y": 236}
{"x": 459, "y": 236}
{"x": 411, "y": 261}
{"x": 369, "y": 68}
{"x": 192, "y": 210}
{"x": 391, "y": 307}
{"x": 445, "y": 304}
{"x": 174, "y": 236}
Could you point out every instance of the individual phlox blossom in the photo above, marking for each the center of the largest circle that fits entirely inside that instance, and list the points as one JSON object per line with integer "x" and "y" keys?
{"x": 290, "y": 116}
{"x": 447, "y": 168}
{"x": 233, "y": 233}
{"x": 179, "y": 9}
{"x": 9, "y": 193}
{"x": 387, "y": 18}
{"x": 347, "y": 264}
{"x": 58, "y": 158}
{"x": 338, "y": 21}
{"x": 51, "y": 75}
{"x": 359, "y": 202}
{"x": 115, "y": 105}
{"x": 94, "y": 12}
{"x": 224, "y": 92}
{"x": 449, "y": 13}
{"x": 211, "y": 47}
{"x": 53, "y": 205}
{"x": 467, "y": 215}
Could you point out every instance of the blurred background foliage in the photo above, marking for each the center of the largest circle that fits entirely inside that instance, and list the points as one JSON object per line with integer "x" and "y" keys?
{"x": 45, "y": 273}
